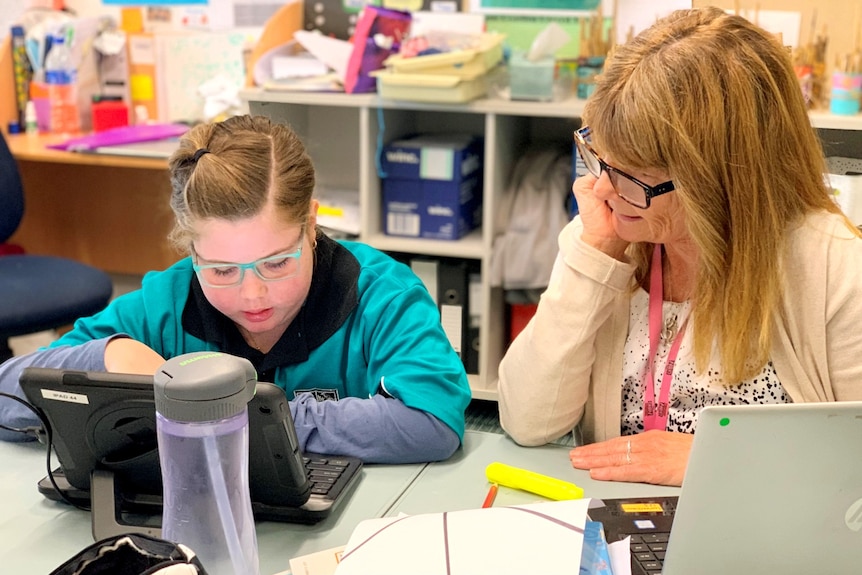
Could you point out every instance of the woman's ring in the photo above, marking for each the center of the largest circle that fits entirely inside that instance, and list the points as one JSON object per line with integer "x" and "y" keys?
{"x": 628, "y": 452}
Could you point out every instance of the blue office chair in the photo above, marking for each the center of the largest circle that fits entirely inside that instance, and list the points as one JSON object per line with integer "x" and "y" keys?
{"x": 38, "y": 293}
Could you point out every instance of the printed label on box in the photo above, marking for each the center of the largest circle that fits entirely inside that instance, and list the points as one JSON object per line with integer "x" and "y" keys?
{"x": 437, "y": 164}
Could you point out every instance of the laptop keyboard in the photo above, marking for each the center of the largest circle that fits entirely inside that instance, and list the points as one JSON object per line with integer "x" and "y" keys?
{"x": 648, "y": 552}
{"x": 646, "y": 521}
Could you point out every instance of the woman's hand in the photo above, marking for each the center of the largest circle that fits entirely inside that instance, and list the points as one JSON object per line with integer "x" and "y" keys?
{"x": 125, "y": 355}
{"x": 597, "y": 218}
{"x": 658, "y": 457}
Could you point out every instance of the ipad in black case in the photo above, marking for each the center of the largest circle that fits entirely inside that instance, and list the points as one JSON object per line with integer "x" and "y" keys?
{"x": 104, "y": 433}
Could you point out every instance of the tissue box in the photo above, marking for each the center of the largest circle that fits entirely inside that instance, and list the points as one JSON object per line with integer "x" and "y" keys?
{"x": 433, "y": 186}
{"x": 531, "y": 80}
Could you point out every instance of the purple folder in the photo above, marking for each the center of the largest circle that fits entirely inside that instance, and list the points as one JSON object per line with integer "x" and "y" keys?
{"x": 122, "y": 135}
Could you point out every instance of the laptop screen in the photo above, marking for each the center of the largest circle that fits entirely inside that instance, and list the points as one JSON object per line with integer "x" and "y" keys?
{"x": 768, "y": 489}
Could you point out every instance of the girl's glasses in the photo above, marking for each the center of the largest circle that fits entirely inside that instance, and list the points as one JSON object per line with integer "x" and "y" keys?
{"x": 270, "y": 269}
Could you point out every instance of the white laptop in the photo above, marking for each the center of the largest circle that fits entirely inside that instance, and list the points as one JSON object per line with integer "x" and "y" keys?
{"x": 769, "y": 489}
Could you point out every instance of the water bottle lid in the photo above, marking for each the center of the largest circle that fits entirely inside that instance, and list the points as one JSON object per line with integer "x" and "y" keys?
{"x": 204, "y": 386}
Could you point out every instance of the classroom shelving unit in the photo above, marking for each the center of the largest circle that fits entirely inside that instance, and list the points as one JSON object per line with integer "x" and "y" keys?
{"x": 343, "y": 132}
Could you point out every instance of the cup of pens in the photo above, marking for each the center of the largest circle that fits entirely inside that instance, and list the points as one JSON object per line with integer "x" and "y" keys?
{"x": 846, "y": 91}
{"x": 588, "y": 69}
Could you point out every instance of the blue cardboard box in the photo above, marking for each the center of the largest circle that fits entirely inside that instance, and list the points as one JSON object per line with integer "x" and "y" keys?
{"x": 432, "y": 209}
{"x": 432, "y": 186}
{"x": 446, "y": 157}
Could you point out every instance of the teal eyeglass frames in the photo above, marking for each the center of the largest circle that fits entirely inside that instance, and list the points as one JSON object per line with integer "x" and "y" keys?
{"x": 271, "y": 268}
{"x": 627, "y": 187}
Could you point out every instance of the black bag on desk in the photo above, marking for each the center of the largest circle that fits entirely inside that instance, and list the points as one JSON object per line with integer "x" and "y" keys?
{"x": 132, "y": 554}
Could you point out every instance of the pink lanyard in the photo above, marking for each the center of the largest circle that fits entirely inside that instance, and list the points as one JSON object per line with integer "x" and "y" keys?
{"x": 656, "y": 418}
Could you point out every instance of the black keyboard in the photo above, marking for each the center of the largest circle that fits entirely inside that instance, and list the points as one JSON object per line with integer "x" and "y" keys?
{"x": 648, "y": 553}
{"x": 331, "y": 480}
{"x": 324, "y": 474}
{"x": 647, "y": 520}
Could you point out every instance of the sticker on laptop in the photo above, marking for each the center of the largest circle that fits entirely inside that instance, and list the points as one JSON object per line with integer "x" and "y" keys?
{"x": 641, "y": 508}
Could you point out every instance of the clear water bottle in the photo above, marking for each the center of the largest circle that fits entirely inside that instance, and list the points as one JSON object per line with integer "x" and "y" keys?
{"x": 60, "y": 76}
{"x": 202, "y": 427}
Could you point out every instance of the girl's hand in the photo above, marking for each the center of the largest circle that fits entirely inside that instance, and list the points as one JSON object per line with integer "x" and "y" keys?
{"x": 125, "y": 355}
{"x": 597, "y": 218}
{"x": 658, "y": 457}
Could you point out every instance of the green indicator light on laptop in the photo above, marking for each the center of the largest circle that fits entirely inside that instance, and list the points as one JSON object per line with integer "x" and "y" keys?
{"x": 724, "y": 421}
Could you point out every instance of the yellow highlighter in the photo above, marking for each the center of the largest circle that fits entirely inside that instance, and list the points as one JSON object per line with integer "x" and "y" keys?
{"x": 516, "y": 478}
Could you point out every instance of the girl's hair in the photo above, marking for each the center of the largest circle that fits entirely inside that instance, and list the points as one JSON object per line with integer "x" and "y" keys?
{"x": 713, "y": 100}
{"x": 234, "y": 169}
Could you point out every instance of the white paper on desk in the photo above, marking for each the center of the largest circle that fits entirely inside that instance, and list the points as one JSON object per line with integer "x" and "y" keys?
{"x": 319, "y": 563}
{"x": 621, "y": 556}
{"x": 541, "y": 538}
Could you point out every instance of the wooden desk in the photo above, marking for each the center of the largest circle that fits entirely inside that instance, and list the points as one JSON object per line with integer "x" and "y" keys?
{"x": 111, "y": 212}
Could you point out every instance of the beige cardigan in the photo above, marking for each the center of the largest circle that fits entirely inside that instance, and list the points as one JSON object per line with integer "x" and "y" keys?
{"x": 565, "y": 368}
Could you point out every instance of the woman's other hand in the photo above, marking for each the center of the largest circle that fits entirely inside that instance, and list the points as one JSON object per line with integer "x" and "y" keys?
{"x": 597, "y": 218}
{"x": 658, "y": 457}
{"x": 125, "y": 355}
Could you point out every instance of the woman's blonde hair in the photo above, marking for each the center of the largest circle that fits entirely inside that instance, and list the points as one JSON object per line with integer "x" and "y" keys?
{"x": 713, "y": 100}
{"x": 233, "y": 169}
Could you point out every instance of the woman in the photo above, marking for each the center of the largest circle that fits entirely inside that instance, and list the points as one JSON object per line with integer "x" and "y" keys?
{"x": 352, "y": 337}
{"x": 708, "y": 265}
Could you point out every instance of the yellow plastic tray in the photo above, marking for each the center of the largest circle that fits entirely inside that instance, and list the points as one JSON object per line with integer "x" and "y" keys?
{"x": 430, "y": 87}
{"x": 458, "y": 63}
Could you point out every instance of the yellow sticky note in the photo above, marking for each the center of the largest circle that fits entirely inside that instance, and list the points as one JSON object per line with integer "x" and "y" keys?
{"x": 405, "y": 5}
{"x": 324, "y": 210}
{"x": 141, "y": 86}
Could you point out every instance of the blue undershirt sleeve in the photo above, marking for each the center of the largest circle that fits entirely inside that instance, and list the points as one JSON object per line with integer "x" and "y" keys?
{"x": 89, "y": 356}
{"x": 376, "y": 430}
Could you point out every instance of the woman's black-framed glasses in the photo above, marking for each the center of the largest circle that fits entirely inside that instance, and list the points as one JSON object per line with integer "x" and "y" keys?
{"x": 627, "y": 187}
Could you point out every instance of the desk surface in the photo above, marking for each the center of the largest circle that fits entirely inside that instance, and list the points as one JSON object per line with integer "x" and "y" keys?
{"x": 460, "y": 482}
{"x": 38, "y": 535}
{"x": 31, "y": 148}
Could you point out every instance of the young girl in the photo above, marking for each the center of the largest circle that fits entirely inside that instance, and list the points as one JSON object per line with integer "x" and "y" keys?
{"x": 352, "y": 336}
